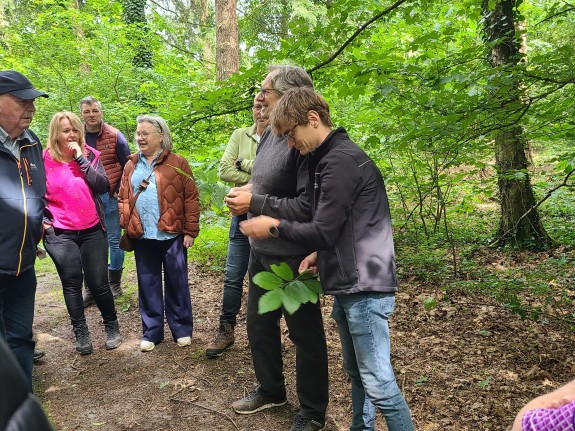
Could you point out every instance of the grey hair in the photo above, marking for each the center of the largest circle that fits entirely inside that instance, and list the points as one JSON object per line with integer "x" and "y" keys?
{"x": 90, "y": 100}
{"x": 161, "y": 127}
{"x": 285, "y": 77}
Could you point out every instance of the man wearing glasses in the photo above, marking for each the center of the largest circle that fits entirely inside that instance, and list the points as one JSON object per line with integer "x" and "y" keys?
{"x": 114, "y": 150}
{"x": 351, "y": 229}
{"x": 280, "y": 172}
{"x": 236, "y": 167}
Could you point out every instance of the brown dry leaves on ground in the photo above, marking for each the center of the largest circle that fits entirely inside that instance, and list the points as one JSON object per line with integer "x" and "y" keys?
{"x": 465, "y": 365}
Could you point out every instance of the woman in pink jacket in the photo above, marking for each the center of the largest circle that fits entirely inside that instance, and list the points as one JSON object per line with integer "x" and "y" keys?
{"x": 75, "y": 233}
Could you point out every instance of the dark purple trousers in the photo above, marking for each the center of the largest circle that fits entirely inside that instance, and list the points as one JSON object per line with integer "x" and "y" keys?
{"x": 170, "y": 258}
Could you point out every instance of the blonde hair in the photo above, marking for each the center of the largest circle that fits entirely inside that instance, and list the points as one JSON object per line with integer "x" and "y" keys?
{"x": 55, "y": 128}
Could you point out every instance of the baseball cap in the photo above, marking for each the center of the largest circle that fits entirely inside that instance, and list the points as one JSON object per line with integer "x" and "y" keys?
{"x": 18, "y": 85}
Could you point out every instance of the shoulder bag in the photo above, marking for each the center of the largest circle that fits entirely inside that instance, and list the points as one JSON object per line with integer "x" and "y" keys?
{"x": 127, "y": 243}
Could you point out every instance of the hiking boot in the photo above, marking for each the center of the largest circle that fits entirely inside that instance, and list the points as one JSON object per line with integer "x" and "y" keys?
{"x": 255, "y": 402}
{"x": 83, "y": 342}
{"x": 223, "y": 341}
{"x": 87, "y": 297}
{"x": 115, "y": 278}
{"x": 113, "y": 339}
{"x": 38, "y": 354}
{"x": 301, "y": 423}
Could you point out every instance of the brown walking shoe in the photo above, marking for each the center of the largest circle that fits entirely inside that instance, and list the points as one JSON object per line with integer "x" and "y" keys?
{"x": 223, "y": 341}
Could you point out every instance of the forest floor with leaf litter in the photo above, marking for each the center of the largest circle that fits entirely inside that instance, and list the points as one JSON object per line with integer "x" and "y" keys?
{"x": 466, "y": 364}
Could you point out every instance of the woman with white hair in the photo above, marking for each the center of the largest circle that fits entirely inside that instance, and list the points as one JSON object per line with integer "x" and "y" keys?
{"x": 159, "y": 210}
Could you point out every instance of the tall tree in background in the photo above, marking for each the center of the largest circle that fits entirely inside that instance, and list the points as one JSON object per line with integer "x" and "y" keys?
{"x": 227, "y": 44}
{"x": 520, "y": 224}
{"x": 135, "y": 15}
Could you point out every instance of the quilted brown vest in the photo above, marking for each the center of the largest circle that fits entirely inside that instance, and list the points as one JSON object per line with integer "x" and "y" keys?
{"x": 106, "y": 144}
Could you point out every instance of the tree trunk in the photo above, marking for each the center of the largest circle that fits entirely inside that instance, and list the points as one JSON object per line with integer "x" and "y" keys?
{"x": 135, "y": 15}
{"x": 227, "y": 39}
{"x": 520, "y": 224}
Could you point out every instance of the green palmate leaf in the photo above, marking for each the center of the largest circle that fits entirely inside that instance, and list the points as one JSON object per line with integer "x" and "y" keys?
{"x": 270, "y": 301}
{"x": 314, "y": 286}
{"x": 291, "y": 301}
{"x": 267, "y": 280}
{"x": 283, "y": 270}
{"x": 298, "y": 291}
{"x": 307, "y": 275}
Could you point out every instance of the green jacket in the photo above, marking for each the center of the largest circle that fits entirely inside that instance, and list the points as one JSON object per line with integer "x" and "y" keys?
{"x": 242, "y": 144}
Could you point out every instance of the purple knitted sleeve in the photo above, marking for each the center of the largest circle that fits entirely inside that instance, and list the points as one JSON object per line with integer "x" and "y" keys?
{"x": 559, "y": 419}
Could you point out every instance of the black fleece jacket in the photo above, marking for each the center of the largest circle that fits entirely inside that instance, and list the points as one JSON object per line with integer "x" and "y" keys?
{"x": 22, "y": 189}
{"x": 351, "y": 225}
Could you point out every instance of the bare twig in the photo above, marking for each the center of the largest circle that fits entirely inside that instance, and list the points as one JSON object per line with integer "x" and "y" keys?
{"x": 357, "y": 33}
{"x": 534, "y": 207}
{"x": 571, "y": 8}
{"x": 193, "y": 403}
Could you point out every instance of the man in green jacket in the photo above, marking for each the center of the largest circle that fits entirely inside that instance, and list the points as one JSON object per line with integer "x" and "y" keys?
{"x": 236, "y": 168}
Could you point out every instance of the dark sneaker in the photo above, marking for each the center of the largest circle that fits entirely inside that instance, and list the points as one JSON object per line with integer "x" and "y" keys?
{"x": 301, "y": 423}
{"x": 83, "y": 341}
{"x": 255, "y": 402}
{"x": 38, "y": 354}
{"x": 113, "y": 339}
{"x": 223, "y": 341}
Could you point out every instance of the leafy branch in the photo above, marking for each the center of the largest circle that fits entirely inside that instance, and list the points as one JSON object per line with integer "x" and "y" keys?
{"x": 285, "y": 290}
{"x": 357, "y": 33}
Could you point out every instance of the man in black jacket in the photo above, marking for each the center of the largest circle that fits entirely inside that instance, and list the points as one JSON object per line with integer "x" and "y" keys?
{"x": 278, "y": 173}
{"x": 21, "y": 208}
{"x": 351, "y": 229}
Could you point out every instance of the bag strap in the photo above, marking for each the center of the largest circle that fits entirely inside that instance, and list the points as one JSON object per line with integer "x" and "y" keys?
{"x": 143, "y": 185}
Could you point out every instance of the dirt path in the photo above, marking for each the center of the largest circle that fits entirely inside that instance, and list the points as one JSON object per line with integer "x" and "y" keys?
{"x": 465, "y": 365}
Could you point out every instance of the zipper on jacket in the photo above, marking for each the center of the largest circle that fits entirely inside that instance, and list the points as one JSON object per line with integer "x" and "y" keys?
{"x": 25, "y": 212}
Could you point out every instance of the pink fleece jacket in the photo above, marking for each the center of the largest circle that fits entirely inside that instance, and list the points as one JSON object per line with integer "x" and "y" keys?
{"x": 68, "y": 196}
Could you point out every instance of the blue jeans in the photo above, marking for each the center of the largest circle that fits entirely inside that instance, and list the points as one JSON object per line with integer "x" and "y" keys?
{"x": 237, "y": 261}
{"x": 362, "y": 321}
{"x": 79, "y": 254}
{"x": 16, "y": 317}
{"x": 112, "y": 215}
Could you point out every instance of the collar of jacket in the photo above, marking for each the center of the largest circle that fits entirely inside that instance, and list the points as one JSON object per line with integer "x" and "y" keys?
{"x": 161, "y": 158}
{"x": 252, "y": 132}
{"x": 329, "y": 142}
{"x": 102, "y": 124}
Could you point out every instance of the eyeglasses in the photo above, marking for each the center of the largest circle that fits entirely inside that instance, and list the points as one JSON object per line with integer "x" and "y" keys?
{"x": 289, "y": 133}
{"x": 266, "y": 91}
{"x": 144, "y": 135}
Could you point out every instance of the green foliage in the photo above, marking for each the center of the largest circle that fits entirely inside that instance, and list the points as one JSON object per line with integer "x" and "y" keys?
{"x": 285, "y": 290}
{"x": 414, "y": 89}
{"x": 210, "y": 247}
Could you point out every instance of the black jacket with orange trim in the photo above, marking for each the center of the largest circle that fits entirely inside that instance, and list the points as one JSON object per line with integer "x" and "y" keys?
{"x": 22, "y": 202}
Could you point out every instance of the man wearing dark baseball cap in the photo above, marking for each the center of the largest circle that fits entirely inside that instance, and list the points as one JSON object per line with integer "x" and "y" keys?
{"x": 18, "y": 85}
{"x": 21, "y": 211}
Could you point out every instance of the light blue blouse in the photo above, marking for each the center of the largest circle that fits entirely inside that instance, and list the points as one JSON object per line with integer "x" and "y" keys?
{"x": 148, "y": 205}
